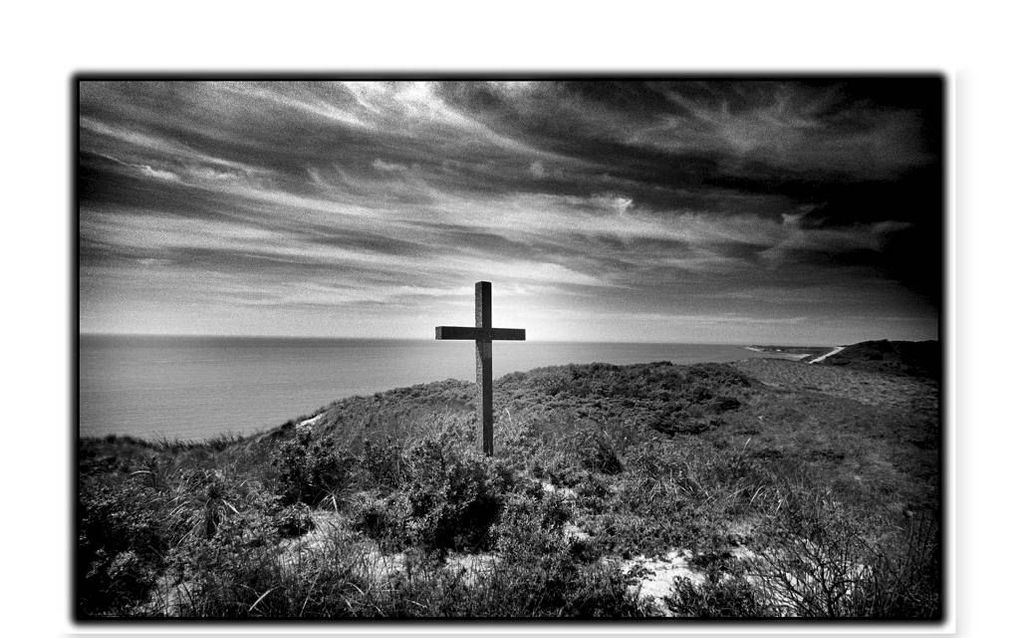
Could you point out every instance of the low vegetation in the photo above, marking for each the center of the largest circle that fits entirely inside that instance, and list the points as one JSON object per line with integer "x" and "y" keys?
{"x": 911, "y": 358}
{"x": 783, "y": 501}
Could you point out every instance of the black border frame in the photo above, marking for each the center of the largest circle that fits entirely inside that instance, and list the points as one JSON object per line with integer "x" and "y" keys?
{"x": 73, "y": 239}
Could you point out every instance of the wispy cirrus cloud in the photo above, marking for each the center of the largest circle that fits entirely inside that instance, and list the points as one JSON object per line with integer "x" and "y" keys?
{"x": 374, "y": 201}
{"x": 798, "y": 130}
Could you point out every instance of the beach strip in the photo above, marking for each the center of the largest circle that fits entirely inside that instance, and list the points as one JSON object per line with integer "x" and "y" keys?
{"x": 828, "y": 354}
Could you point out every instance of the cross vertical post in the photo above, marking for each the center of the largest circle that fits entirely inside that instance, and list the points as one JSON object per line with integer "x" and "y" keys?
{"x": 483, "y": 362}
{"x": 483, "y": 334}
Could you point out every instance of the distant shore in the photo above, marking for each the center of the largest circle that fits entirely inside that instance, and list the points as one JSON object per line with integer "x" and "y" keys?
{"x": 828, "y": 354}
{"x": 796, "y": 353}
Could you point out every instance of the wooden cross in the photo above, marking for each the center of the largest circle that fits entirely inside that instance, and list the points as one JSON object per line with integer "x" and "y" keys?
{"x": 483, "y": 334}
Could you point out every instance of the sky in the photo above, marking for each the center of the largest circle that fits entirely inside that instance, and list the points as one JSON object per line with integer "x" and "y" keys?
{"x": 798, "y": 211}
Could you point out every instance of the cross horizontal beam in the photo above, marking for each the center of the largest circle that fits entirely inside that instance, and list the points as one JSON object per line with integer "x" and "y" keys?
{"x": 480, "y": 334}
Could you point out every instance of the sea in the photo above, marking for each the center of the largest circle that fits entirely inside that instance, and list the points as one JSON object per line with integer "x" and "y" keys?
{"x": 193, "y": 388}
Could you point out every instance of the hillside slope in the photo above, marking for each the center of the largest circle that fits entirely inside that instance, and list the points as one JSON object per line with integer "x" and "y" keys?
{"x": 908, "y": 358}
{"x": 382, "y": 506}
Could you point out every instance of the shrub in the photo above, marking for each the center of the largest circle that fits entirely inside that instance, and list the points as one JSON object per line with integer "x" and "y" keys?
{"x": 454, "y": 498}
{"x": 809, "y": 553}
{"x": 720, "y": 596}
{"x": 310, "y": 470}
{"x": 544, "y": 573}
{"x": 531, "y": 525}
{"x": 121, "y": 539}
{"x": 817, "y": 558}
{"x": 905, "y": 573}
{"x": 384, "y": 520}
{"x": 222, "y": 575}
{"x": 447, "y": 500}
{"x": 725, "y": 593}
{"x": 381, "y": 463}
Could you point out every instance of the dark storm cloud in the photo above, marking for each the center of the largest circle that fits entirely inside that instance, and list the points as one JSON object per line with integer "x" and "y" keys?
{"x": 592, "y": 197}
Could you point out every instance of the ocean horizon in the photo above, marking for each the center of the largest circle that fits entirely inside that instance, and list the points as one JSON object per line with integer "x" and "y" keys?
{"x": 196, "y": 387}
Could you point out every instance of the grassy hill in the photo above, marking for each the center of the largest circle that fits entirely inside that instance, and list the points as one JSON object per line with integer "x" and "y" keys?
{"x": 755, "y": 489}
{"x": 911, "y": 358}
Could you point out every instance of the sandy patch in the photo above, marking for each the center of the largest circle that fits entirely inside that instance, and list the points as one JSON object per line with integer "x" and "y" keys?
{"x": 662, "y": 572}
{"x": 471, "y": 566}
{"x": 307, "y": 423}
{"x": 828, "y": 354}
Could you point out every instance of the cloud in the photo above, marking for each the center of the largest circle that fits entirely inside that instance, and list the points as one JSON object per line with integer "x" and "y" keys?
{"x": 135, "y": 143}
{"x": 149, "y": 171}
{"x": 387, "y": 167}
{"x": 607, "y": 197}
{"x": 792, "y": 127}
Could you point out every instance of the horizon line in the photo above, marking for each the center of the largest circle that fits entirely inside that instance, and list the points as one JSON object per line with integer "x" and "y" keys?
{"x": 423, "y": 339}
{"x": 336, "y": 337}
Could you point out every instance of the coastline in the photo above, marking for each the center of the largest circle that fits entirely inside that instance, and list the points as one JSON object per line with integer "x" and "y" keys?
{"x": 828, "y": 354}
{"x": 796, "y": 353}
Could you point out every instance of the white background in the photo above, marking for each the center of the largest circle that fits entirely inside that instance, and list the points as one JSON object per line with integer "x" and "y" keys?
{"x": 44, "y": 44}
